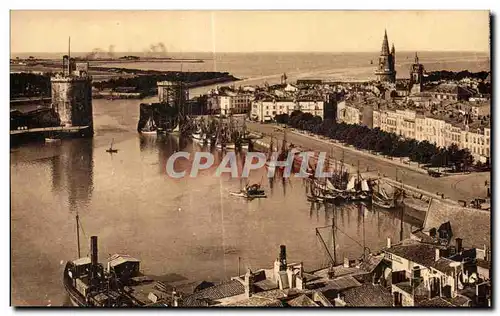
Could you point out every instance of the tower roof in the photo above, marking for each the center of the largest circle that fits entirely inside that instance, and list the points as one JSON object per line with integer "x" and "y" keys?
{"x": 416, "y": 58}
{"x": 385, "y": 45}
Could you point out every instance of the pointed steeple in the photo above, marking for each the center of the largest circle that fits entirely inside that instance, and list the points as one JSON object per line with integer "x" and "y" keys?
{"x": 393, "y": 50}
{"x": 416, "y": 58}
{"x": 385, "y": 45}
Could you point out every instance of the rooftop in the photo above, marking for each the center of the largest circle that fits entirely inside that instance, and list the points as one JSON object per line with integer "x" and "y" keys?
{"x": 302, "y": 301}
{"x": 423, "y": 254}
{"x": 368, "y": 295}
{"x": 216, "y": 292}
{"x": 472, "y": 225}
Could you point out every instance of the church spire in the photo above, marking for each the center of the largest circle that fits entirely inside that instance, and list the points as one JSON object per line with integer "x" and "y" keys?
{"x": 385, "y": 45}
{"x": 416, "y": 58}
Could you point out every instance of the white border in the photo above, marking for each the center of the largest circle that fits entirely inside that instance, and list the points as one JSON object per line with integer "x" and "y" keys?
{"x": 190, "y": 4}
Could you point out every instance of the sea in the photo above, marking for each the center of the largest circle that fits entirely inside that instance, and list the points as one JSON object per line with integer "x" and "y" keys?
{"x": 186, "y": 230}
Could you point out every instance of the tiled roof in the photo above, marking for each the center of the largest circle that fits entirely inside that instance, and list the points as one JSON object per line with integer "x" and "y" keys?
{"x": 274, "y": 294}
{"x": 459, "y": 300}
{"x": 422, "y": 237}
{"x": 423, "y": 254}
{"x": 371, "y": 262}
{"x": 302, "y": 301}
{"x": 257, "y": 301}
{"x": 443, "y": 265}
{"x": 266, "y": 285}
{"x": 435, "y": 302}
{"x": 336, "y": 285}
{"x": 368, "y": 295}
{"x": 223, "y": 290}
{"x": 472, "y": 225}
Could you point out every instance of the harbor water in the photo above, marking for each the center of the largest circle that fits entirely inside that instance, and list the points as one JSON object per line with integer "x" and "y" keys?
{"x": 183, "y": 230}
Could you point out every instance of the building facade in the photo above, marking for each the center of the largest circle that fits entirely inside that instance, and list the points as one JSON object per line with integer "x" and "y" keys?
{"x": 413, "y": 125}
{"x": 266, "y": 110}
{"x": 227, "y": 103}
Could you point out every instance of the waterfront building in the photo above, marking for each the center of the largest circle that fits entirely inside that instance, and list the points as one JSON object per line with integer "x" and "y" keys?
{"x": 72, "y": 94}
{"x": 441, "y": 130}
{"x": 386, "y": 63}
{"x": 266, "y": 109}
{"x": 228, "y": 102}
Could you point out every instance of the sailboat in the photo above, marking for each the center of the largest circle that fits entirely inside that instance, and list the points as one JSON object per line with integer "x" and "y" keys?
{"x": 231, "y": 135}
{"x": 244, "y": 141}
{"x": 381, "y": 199}
{"x": 150, "y": 127}
{"x": 111, "y": 150}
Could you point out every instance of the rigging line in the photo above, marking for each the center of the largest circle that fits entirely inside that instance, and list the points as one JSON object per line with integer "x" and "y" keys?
{"x": 337, "y": 228}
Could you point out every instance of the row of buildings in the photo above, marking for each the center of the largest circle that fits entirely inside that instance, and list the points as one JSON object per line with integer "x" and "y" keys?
{"x": 445, "y": 263}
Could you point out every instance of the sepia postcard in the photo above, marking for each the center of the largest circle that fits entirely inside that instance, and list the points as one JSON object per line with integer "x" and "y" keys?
{"x": 250, "y": 159}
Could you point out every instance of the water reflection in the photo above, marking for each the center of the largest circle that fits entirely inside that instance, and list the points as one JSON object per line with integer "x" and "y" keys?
{"x": 72, "y": 170}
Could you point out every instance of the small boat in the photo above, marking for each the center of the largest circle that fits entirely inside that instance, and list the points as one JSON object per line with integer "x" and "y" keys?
{"x": 251, "y": 192}
{"x": 197, "y": 135}
{"x": 150, "y": 127}
{"x": 52, "y": 140}
{"x": 111, "y": 150}
{"x": 382, "y": 202}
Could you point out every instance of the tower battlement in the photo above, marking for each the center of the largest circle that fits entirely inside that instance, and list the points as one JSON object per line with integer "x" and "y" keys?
{"x": 72, "y": 94}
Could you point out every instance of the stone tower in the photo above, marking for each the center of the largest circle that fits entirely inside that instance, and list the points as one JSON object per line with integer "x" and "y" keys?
{"x": 416, "y": 76}
{"x": 72, "y": 94}
{"x": 386, "y": 62}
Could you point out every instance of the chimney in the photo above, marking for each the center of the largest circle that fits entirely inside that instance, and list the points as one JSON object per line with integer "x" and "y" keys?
{"x": 291, "y": 277}
{"x": 339, "y": 300}
{"x": 458, "y": 244}
{"x": 437, "y": 254}
{"x": 346, "y": 262}
{"x": 388, "y": 242}
{"x": 93, "y": 257}
{"x": 282, "y": 259}
{"x": 248, "y": 283}
{"x": 175, "y": 298}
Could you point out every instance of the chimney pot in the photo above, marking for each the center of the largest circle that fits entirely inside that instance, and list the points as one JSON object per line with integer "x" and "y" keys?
{"x": 346, "y": 262}
{"x": 458, "y": 244}
{"x": 437, "y": 254}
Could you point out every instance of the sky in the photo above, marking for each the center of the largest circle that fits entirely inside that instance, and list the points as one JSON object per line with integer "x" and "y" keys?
{"x": 249, "y": 31}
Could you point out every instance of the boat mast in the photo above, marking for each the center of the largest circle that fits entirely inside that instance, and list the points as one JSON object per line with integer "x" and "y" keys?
{"x": 402, "y": 209}
{"x": 333, "y": 237}
{"x": 78, "y": 234}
